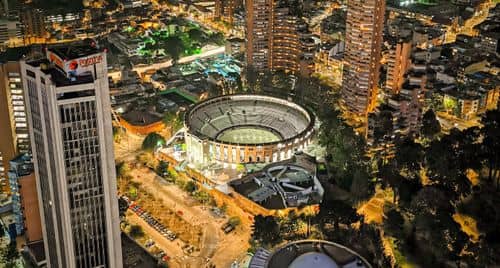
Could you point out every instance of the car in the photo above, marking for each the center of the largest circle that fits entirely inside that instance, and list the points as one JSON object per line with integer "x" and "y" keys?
{"x": 225, "y": 225}
{"x": 228, "y": 229}
{"x": 149, "y": 243}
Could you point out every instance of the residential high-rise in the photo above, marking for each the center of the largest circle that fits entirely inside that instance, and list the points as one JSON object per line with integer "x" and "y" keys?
{"x": 398, "y": 64}
{"x": 258, "y": 16}
{"x": 13, "y": 121}
{"x": 69, "y": 115}
{"x": 224, "y": 9}
{"x": 34, "y": 24}
{"x": 277, "y": 39}
{"x": 364, "y": 25}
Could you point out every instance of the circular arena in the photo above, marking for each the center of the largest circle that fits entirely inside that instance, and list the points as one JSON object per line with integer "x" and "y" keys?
{"x": 246, "y": 129}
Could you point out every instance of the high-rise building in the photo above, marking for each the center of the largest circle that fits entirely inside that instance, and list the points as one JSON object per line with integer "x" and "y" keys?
{"x": 224, "y": 9}
{"x": 258, "y": 15}
{"x": 34, "y": 24}
{"x": 364, "y": 25}
{"x": 24, "y": 198}
{"x": 13, "y": 121}
{"x": 69, "y": 115}
{"x": 10, "y": 33}
{"x": 398, "y": 64}
{"x": 276, "y": 38}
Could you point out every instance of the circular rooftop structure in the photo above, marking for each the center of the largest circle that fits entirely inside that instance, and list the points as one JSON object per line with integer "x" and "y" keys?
{"x": 246, "y": 124}
{"x": 307, "y": 254}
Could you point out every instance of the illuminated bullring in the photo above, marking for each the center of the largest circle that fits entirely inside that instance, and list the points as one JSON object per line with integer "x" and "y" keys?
{"x": 246, "y": 129}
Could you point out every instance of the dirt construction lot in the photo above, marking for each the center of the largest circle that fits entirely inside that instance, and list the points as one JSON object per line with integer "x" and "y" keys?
{"x": 193, "y": 223}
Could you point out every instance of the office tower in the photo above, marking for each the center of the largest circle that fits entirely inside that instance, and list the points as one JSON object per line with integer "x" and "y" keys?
{"x": 398, "y": 64}
{"x": 364, "y": 24}
{"x": 24, "y": 198}
{"x": 13, "y": 121}
{"x": 277, "y": 39}
{"x": 69, "y": 115}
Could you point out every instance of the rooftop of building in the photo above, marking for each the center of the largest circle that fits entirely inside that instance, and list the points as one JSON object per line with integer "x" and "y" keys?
{"x": 75, "y": 50}
{"x": 59, "y": 78}
{"x": 441, "y": 11}
{"x": 37, "y": 250}
{"x": 309, "y": 253}
{"x": 16, "y": 53}
{"x": 272, "y": 186}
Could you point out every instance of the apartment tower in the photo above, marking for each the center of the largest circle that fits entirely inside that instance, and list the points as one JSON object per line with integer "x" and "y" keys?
{"x": 363, "y": 40}
{"x": 14, "y": 137}
{"x": 277, "y": 39}
{"x": 398, "y": 64}
{"x": 71, "y": 135}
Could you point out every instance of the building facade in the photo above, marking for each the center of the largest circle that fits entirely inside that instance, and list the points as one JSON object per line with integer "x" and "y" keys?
{"x": 14, "y": 131}
{"x": 24, "y": 198}
{"x": 69, "y": 114}
{"x": 398, "y": 63}
{"x": 364, "y": 25}
{"x": 277, "y": 39}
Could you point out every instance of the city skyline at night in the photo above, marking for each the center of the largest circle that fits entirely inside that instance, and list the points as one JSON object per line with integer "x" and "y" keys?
{"x": 256, "y": 133}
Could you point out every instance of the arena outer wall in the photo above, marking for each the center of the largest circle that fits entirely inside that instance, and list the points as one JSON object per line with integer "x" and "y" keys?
{"x": 204, "y": 149}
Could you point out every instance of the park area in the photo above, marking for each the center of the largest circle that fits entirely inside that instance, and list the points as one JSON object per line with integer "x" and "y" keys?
{"x": 175, "y": 38}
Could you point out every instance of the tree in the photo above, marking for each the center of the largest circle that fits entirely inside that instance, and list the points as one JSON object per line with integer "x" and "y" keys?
{"x": 394, "y": 223}
{"x": 190, "y": 186}
{"x": 409, "y": 156}
{"x": 336, "y": 213}
{"x": 162, "y": 168}
{"x": 152, "y": 141}
{"x": 384, "y": 125}
{"x": 174, "y": 47}
{"x": 197, "y": 35}
{"x": 122, "y": 170}
{"x": 174, "y": 120}
{"x": 136, "y": 231}
{"x": 9, "y": 255}
{"x": 491, "y": 144}
{"x": 430, "y": 125}
{"x": 234, "y": 221}
{"x": 217, "y": 38}
{"x": 118, "y": 133}
{"x": 266, "y": 230}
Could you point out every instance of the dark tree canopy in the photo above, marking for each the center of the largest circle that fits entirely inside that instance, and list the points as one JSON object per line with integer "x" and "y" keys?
{"x": 430, "y": 125}
{"x": 152, "y": 141}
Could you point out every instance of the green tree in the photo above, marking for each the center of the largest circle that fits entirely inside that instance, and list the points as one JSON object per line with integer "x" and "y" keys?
{"x": 152, "y": 141}
{"x": 430, "y": 125}
{"x": 162, "y": 168}
{"x": 266, "y": 230}
{"x": 174, "y": 47}
{"x": 491, "y": 144}
{"x": 394, "y": 223}
{"x": 122, "y": 170}
{"x": 136, "y": 231}
{"x": 235, "y": 221}
{"x": 9, "y": 255}
{"x": 197, "y": 35}
{"x": 409, "y": 156}
{"x": 335, "y": 213}
{"x": 190, "y": 186}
